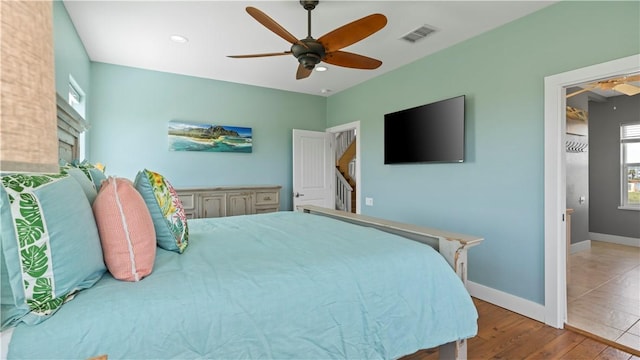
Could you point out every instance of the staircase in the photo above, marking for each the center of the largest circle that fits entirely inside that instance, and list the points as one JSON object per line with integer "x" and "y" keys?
{"x": 345, "y": 171}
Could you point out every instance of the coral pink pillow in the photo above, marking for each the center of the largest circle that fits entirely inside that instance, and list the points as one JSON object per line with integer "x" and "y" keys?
{"x": 126, "y": 230}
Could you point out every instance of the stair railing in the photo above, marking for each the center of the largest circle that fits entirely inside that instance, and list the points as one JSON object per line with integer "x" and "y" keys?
{"x": 352, "y": 169}
{"x": 343, "y": 193}
{"x": 343, "y": 140}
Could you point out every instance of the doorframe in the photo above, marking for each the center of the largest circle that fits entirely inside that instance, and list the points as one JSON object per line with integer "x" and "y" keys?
{"x": 555, "y": 239}
{"x": 351, "y": 126}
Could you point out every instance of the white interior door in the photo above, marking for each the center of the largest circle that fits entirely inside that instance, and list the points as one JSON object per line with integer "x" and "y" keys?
{"x": 313, "y": 169}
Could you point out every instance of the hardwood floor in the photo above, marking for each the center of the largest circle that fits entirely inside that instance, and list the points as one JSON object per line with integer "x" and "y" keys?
{"x": 503, "y": 334}
{"x": 603, "y": 293}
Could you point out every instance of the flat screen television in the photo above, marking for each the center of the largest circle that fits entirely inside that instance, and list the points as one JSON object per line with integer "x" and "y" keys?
{"x": 431, "y": 133}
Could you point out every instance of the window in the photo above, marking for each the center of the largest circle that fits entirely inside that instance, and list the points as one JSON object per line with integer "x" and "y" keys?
{"x": 77, "y": 100}
{"x": 76, "y": 96}
{"x": 630, "y": 165}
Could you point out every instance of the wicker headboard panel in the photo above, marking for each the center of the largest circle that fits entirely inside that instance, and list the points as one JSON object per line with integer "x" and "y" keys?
{"x": 70, "y": 125}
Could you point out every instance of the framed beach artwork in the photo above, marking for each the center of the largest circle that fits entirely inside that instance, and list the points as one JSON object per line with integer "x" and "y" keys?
{"x": 186, "y": 136}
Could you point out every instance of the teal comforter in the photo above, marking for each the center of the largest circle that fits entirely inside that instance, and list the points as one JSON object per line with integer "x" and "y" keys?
{"x": 280, "y": 285}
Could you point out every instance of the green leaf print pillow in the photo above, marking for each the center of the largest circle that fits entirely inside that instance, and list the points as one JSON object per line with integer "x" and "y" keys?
{"x": 169, "y": 220}
{"x": 50, "y": 246}
{"x": 92, "y": 172}
{"x": 85, "y": 183}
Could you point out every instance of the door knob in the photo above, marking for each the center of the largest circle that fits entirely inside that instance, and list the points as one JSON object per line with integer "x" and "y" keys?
{"x": 297, "y": 194}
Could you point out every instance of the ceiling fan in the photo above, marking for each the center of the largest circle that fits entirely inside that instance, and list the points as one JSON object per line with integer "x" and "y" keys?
{"x": 620, "y": 85}
{"x": 309, "y": 52}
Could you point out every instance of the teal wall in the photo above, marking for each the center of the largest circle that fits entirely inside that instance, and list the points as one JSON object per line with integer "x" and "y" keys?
{"x": 130, "y": 110}
{"x": 498, "y": 193}
{"x": 70, "y": 55}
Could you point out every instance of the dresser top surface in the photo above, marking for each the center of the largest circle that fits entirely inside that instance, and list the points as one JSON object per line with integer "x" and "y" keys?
{"x": 229, "y": 188}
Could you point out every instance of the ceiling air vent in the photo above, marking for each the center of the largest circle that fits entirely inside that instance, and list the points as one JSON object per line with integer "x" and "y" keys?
{"x": 419, "y": 33}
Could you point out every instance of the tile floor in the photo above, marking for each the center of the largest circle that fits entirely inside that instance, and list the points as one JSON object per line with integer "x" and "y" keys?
{"x": 603, "y": 292}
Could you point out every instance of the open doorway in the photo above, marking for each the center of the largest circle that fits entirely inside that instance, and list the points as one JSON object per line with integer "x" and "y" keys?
{"x": 602, "y": 199}
{"x": 348, "y": 175}
{"x": 555, "y": 177}
{"x": 315, "y": 174}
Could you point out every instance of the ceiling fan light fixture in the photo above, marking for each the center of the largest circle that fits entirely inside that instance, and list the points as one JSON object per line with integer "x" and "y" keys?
{"x": 309, "y": 61}
{"x": 309, "y": 52}
{"x": 178, "y": 38}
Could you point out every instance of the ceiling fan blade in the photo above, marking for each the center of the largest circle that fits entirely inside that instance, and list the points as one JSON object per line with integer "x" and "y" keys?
{"x": 627, "y": 89}
{"x": 351, "y": 60}
{"x": 259, "y": 55}
{"x": 302, "y": 72}
{"x": 271, "y": 24}
{"x": 352, "y": 32}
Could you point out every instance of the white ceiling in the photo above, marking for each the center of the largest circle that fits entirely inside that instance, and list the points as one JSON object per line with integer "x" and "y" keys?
{"x": 136, "y": 34}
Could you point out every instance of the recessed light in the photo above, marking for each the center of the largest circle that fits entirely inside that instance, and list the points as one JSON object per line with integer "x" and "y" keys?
{"x": 179, "y": 39}
{"x": 325, "y": 91}
{"x": 321, "y": 68}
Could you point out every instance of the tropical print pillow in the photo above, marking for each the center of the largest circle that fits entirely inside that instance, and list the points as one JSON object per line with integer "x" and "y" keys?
{"x": 85, "y": 182}
{"x": 94, "y": 173}
{"x": 43, "y": 215}
{"x": 167, "y": 212}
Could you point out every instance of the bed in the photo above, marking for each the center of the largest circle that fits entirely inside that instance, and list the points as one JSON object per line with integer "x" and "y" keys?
{"x": 280, "y": 285}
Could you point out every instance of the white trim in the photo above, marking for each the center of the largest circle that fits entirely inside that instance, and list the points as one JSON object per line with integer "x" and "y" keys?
{"x": 629, "y": 207}
{"x": 554, "y": 177}
{"x": 349, "y": 126}
{"x": 615, "y": 239}
{"x": 580, "y": 246}
{"x": 555, "y": 203}
{"x": 516, "y": 304}
{"x": 627, "y": 137}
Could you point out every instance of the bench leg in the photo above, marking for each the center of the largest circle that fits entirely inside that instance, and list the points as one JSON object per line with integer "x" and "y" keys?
{"x": 456, "y": 350}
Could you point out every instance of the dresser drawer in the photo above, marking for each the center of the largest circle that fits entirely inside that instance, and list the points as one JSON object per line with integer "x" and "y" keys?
{"x": 267, "y": 197}
{"x": 266, "y": 209}
{"x": 190, "y": 214}
{"x": 188, "y": 201}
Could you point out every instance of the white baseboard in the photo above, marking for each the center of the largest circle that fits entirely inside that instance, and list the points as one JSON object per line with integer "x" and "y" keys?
{"x": 622, "y": 240}
{"x": 516, "y": 304}
{"x": 580, "y": 246}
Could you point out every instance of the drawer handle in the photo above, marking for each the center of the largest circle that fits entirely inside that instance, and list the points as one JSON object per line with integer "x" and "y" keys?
{"x": 267, "y": 198}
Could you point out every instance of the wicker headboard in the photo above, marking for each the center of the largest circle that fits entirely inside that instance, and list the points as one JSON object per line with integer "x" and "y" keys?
{"x": 70, "y": 125}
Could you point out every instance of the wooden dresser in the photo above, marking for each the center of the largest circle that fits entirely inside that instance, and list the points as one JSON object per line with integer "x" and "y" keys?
{"x": 229, "y": 200}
